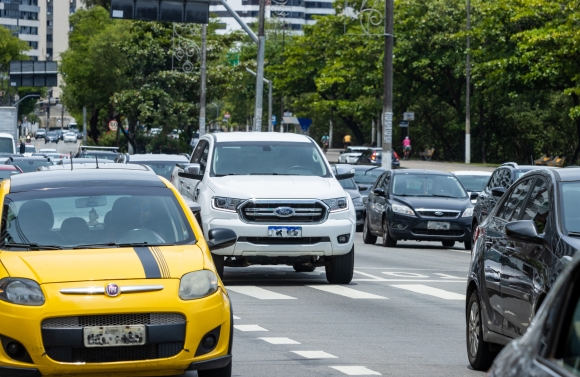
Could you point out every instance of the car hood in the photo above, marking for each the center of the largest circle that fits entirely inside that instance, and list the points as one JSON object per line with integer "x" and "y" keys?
{"x": 353, "y": 194}
{"x": 276, "y": 187}
{"x": 59, "y": 266}
{"x": 452, "y": 204}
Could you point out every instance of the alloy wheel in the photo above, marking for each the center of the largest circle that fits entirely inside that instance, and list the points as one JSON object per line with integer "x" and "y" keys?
{"x": 474, "y": 323}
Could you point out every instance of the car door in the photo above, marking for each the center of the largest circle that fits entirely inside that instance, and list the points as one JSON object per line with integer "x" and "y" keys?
{"x": 374, "y": 209}
{"x": 524, "y": 281}
{"x": 199, "y": 156}
{"x": 503, "y": 179}
{"x": 494, "y": 258}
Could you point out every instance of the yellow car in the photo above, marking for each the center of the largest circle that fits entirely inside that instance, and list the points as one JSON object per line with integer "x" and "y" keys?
{"x": 105, "y": 272}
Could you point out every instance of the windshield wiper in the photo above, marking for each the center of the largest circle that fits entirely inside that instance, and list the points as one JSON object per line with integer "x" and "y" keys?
{"x": 96, "y": 245}
{"x": 443, "y": 196}
{"x": 225, "y": 175}
{"x": 272, "y": 174}
{"x": 113, "y": 244}
{"x": 33, "y": 246}
{"x": 366, "y": 171}
{"x": 574, "y": 234}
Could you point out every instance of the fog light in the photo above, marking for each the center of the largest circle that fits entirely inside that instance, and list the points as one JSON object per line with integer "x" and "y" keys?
{"x": 343, "y": 238}
{"x": 209, "y": 342}
{"x": 15, "y": 350}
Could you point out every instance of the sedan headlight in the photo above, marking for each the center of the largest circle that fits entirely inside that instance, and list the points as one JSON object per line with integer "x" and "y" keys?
{"x": 468, "y": 212}
{"x": 338, "y": 204}
{"x": 357, "y": 201}
{"x": 226, "y": 204}
{"x": 21, "y": 291}
{"x": 197, "y": 284}
{"x": 402, "y": 209}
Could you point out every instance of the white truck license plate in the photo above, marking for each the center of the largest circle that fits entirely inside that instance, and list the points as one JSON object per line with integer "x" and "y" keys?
{"x": 284, "y": 231}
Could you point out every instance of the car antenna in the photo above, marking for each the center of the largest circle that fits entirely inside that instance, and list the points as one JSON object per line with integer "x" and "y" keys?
{"x": 97, "y": 160}
{"x": 71, "y": 161}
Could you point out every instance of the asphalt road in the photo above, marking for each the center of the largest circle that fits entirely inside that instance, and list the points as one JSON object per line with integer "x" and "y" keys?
{"x": 61, "y": 147}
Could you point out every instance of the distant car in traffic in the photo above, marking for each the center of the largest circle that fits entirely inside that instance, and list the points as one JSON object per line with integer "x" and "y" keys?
{"x": 101, "y": 153}
{"x": 422, "y": 205}
{"x": 47, "y": 150}
{"x": 162, "y": 164}
{"x": 70, "y": 137}
{"x": 6, "y": 171}
{"x": 51, "y": 137}
{"x": 40, "y": 133}
{"x": 29, "y": 150}
{"x": 350, "y": 186}
{"x": 519, "y": 251}
{"x": 374, "y": 156}
{"x": 29, "y": 164}
{"x": 365, "y": 177}
{"x": 351, "y": 155}
{"x": 474, "y": 181}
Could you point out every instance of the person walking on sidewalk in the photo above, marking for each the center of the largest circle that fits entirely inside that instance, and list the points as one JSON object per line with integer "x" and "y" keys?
{"x": 407, "y": 147}
{"x": 325, "y": 140}
{"x": 346, "y": 141}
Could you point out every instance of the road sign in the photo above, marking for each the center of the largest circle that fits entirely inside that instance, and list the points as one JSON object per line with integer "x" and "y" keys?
{"x": 404, "y": 124}
{"x": 409, "y": 116}
{"x": 113, "y": 125}
{"x": 189, "y": 11}
{"x": 273, "y": 120}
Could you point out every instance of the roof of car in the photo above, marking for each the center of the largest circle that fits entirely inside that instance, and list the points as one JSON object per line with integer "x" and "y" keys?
{"x": 259, "y": 136}
{"x": 567, "y": 175}
{"x": 120, "y": 175}
{"x": 421, "y": 171}
{"x": 472, "y": 172}
{"x": 157, "y": 157}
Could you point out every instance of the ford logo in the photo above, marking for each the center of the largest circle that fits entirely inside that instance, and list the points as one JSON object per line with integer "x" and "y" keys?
{"x": 284, "y": 211}
{"x": 438, "y": 213}
{"x": 112, "y": 290}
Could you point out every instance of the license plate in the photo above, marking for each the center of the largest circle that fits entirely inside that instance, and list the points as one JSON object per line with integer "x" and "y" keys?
{"x": 438, "y": 225}
{"x": 284, "y": 231}
{"x": 114, "y": 336}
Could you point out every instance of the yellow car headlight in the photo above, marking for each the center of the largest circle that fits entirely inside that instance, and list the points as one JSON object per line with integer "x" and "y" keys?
{"x": 21, "y": 291}
{"x": 197, "y": 284}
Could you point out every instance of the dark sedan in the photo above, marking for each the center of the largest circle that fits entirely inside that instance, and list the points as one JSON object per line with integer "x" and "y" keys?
{"x": 29, "y": 164}
{"x": 51, "y": 137}
{"x": 365, "y": 177}
{"x": 420, "y": 205}
{"x": 519, "y": 252}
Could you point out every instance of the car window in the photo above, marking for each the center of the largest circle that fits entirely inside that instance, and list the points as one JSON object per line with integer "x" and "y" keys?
{"x": 367, "y": 176}
{"x": 513, "y": 206}
{"x": 7, "y": 173}
{"x": 570, "y": 354}
{"x": 162, "y": 168}
{"x": 386, "y": 182}
{"x": 200, "y": 153}
{"x": 493, "y": 181}
{"x": 571, "y": 206}
{"x": 505, "y": 178}
{"x": 379, "y": 181}
{"x": 28, "y": 166}
{"x": 474, "y": 183}
{"x": 538, "y": 206}
{"x": 348, "y": 184}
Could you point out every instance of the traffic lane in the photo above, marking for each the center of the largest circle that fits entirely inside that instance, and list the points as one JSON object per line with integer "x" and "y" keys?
{"x": 61, "y": 146}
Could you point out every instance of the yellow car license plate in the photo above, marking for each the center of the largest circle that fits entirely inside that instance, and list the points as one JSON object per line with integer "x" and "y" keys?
{"x": 114, "y": 336}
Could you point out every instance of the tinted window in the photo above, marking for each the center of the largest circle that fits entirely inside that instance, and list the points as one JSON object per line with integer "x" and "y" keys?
{"x": 30, "y": 165}
{"x": 513, "y": 206}
{"x": 72, "y": 217}
{"x": 571, "y": 206}
{"x": 538, "y": 206}
{"x": 427, "y": 185}
{"x": 348, "y": 184}
{"x": 368, "y": 176}
{"x": 268, "y": 158}
{"x": 386, "y": 182}
{"x": 6, "y": 145}
{"x": 162, "y": 168}
{"x": 494, "y": 180}
{"x": 199, "y": 156}
{"x": 473, "y": 183}
{"x": 7, "y": 173}
{"x": 505, "y": 178}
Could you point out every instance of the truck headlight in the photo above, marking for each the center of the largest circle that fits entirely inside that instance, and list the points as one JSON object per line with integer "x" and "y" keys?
{"x": 338, "y": 204}
{"x": 226, "y": 204}
{"x": 468, "y": 212}
{"x": 21, "y": 291}
{"x": 402, "y": 209}
{"x": 197, "y": 284}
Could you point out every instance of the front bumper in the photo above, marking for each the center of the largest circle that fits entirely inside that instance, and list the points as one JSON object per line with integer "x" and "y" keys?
{"x": 416, "y": 228}
{"x": 24, "y": 325}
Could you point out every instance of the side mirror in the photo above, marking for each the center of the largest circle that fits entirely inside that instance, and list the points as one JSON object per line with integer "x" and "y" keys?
{"x": 220, "y": 238}
{"x": 344, "y": 176}
{"x": 191, "y": 171}
{"x": 474, "y": 195}
{"x": 523, "y": 230}
{"x": 379, "y": 192}
{"x": 498, "y": 191}
{"x": 193, "y": 206}
{"x": 362, "y": 188}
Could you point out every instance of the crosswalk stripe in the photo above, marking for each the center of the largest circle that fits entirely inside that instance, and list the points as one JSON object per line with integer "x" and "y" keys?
{"x": 352, "y": 370}
{"x": 426, "y": 290}
{"x": 236, "y": 317}
{"x": 259, "y": 293}
{"x": 346, "y": 292}
{"x": 450, "y": 276}
{"x": 280, "y": 341}
{"x": 249, "y": 328}
{"x": 315, "y": 355}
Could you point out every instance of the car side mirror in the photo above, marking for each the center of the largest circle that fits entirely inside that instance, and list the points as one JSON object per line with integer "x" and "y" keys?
{"x": 193, "y": 206}
{"x": 379, "y": 192}
{"x": 344, "y": 176}
{"x": 362, "y": 188}
{"x": 191, "y": 171}
{"x": 474, "y": 195}
{"x": 220, "y": 238}
{"x": 523, "y": 230}
{"x": 498, "y": 191}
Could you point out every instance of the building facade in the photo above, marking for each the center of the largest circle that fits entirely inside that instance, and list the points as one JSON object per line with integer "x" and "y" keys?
{"x": 22, "y": 18}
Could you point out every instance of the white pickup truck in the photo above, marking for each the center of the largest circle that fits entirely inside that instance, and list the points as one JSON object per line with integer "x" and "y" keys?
{"x": 278, "y": 193}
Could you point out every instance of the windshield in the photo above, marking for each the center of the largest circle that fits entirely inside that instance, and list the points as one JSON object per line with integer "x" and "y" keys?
{"x": 348, "y": 184}
{"x": 28, "y": 166}
{"x": 571, "y": 206}
{"x": 428, "y": 185}
{"x": 107, "y": 215}
{"x": 268, "y": 158}
{"x": 7, "y": 173}
{"x": 474, "y": 183}
{"x": 162, "y": 168}
{"x": 30, "y": 148}
{"x": 368, "y": 176}
{"x": 6, "y": 145}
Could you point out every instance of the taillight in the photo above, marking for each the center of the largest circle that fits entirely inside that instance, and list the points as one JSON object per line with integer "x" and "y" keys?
{"x": 373, "y": 157}
{"x": 396, "y": 155}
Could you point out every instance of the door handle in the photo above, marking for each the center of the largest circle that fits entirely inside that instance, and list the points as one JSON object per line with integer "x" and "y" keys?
{"x": 181, "y": 181}
{"x": 188, "y": 187}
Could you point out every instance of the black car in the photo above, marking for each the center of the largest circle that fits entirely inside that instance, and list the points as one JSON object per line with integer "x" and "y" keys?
{"x": 51, "y": 137}
{"x": 519, "y": 251}
{"x": 425, "y": 205}
{"x": 374, "y": 156}
{"x": 500, "y": 180}
{"x": 29, "y": 164}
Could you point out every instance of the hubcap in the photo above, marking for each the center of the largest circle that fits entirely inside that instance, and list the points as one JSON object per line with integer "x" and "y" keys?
{"x": 474, "y": 329}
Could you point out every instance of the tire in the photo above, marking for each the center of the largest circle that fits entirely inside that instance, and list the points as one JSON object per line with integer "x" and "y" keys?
{"x": 388, "y": 241}
{"x": 448, "y": 243}
{"x": 299, "y": 267}
{"x": 480, "y": 357}
{"x": 218, "y": 260}
{"x": 339, "y": 269}
{"x": 368, "y": 238}
{"x": 467, "y": 245}
{"x": 359, "y": 228}
{"x": 219, "y": 372}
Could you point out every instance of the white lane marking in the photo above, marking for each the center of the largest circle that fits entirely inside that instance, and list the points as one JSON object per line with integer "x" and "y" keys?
{"x": 445, "y": 276}
{"x": 236, "y": 317}
{"x": 356, "y": 370}
{"x": 315, "y": 355}
{"x": 461, "y": 251}
{"x": 344, "y": 291}
{"x": 408, "y": 275}
{"x": 249, "y": 328}
{"x": 313, "y": 272}
{"x": 280, "y": 340}
{"x": 259, "y": 293}
{"x": 426, "y": 290}
{"x": 414, "y": 280}
{"x": 373, "y": 277}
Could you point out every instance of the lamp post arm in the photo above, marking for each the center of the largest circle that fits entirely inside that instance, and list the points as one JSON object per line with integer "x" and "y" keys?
{"x": 25, "y": 97}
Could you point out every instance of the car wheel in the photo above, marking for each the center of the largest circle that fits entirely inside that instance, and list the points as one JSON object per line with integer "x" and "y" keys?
{"x": 219, "y": 372}
{"x": 448, "y": 243}
{"x": 368, "y": 238}
{"x": 467, "y": 245}
{"x": 300, "y": 267}
{"x": 359, "y": 228}
{"x": 478, "y": 352}
{"x": 218, "y": 260}
{"x": 339, "y": 269}
{"x": 388, "y": 241}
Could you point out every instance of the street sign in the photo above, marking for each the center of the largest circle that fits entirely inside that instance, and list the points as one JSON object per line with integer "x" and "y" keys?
{"x": 188, "y": 11}
{"x": 409, "y": 116}
{"x": 404, "y": 124}
{"x": 113, "y": 125}
{"x": 273, "y": 120}
{"x": 33, "y": 73}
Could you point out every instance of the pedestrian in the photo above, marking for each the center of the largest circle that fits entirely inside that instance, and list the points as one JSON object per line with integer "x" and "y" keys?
{"x": 407, "y": 147}
{"x": 325, "y": 140}
{"x": 22, "y": 147}
{"x": 346, "y": 141}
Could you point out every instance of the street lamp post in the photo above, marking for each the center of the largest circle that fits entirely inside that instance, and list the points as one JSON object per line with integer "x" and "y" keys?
{"x": 388, "y": 86}
{"x": 269, "y": 82}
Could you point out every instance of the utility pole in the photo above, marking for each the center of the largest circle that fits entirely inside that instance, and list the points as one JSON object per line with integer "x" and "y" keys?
{"x": 388, "y": 86}
{"x": 202, "y": 78}
{"x": 373, "y": 133}
{"x": 84, "y": 125}
{"x": 260, "y": 69}
{"x": 269, "y": 82}
{"x": 61, "y": 116}
{"x": 467, "y": 90}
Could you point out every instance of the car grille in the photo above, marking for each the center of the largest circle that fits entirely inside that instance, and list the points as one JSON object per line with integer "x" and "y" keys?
{"x": 262, "y": 211}
{"x": 284, "y": 241}
{"x": 438, "y": 232}
{"x": 437, "y": 213}
{"x": 114, "y": 320}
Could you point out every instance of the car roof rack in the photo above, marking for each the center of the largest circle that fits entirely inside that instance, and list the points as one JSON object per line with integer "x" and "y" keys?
{"x": 512, "y": 164}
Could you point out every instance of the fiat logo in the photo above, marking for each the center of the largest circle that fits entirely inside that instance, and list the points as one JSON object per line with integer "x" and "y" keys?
{"x": 112, "y": 290}
{"x": 284, "y": 211}
{"x": 438, "y": 213}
